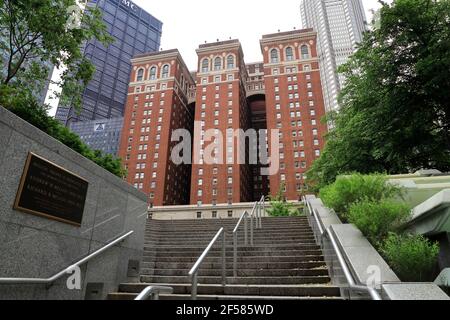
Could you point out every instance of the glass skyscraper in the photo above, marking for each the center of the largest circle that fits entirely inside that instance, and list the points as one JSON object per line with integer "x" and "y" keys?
{"x": 103, "y": 135}
{"x": 340, "y": 25}
{"x": 135, "y": 31}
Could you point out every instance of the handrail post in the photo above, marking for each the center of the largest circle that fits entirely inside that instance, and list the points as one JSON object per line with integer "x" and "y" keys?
{"x": 245, "y": 230}
{"x": 235, "y": 245}
{"x": 257, "y": 215}
{"x": 224, "y": 261}
{"x": 251, "y": 230}
{"x": 194, "y": 286}
{"x": 260, "y": 215}
{"x": 264, "y": 206}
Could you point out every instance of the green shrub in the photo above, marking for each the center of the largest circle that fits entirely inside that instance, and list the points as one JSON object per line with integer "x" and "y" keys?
{"x": 377, "y": 219}
{"x": 348, "y": 190}
{"x": 282, "y": 209}
{"x": 412, "y": 258}
{"x": 279, "y": 207}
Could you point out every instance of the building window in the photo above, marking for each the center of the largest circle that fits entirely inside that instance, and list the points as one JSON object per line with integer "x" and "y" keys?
{"x": 199, "y": 215}
{"x": 165, "y": 71}
{"x": 289, "y": 54}
{"x": 230, "y": 62}
{"x": 217, "y": 64}
{"x": 305, "y": 51}
{"x": 214, "y": 214}
{"x": 140, "y": 75}
{"x": 153, "y": 73}
{"x": 274, "y": 56}
{"x": 205, "y": 65}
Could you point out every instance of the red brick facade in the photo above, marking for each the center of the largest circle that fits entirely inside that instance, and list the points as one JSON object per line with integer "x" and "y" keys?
{"x": 221, "y": 104}
{"x": 283, "y": 92}
{"x": 294, "y": 105}
{"x": 157, "y": 104}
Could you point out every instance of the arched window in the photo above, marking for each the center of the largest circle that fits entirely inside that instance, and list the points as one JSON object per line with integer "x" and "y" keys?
{"x": 274, "y": 56}
{"x": 230, "y": 62}
{"x": 289, "y": 54}
{"x": 305, "y": 52}
{"x": 140, "y": 75}
{"x": 165, "y": 71}
{"x": 217, "y": 64}
{"x": 153, "y": 73}
{"x": 205, "y": 65}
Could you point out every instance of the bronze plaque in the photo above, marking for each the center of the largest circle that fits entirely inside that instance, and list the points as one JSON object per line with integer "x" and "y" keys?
{"x": 50, "y": 191}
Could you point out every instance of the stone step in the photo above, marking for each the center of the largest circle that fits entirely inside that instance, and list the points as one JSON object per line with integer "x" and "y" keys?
{"x": 227, "y": 220}
{"x": 186, "y": 297}
{"x": 240, "y": 280}
{"x": 256, "y": 235}
{"x": 223, "y": 223}
{"x": 265, "y": 248}
{"x": 255, "y": 290}
{"x": 241, "y": 265}
{"x": 196, "y": 254}
{"x": 220, "y": 224}
{"x": 317, "y": 257}
{"x": 320, "y": 271}
{"x": 229, "y": 243}
{"x": 227, "y": 228}
{"x": 211, "y": 233}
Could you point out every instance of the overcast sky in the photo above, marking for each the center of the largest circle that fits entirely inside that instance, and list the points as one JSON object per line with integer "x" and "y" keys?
{"x": 190, "y": 23}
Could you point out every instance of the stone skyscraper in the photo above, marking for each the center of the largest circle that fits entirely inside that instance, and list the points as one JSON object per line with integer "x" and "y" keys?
{"x": 339, "y": 25}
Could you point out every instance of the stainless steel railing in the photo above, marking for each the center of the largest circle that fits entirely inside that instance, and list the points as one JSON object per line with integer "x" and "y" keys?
{"x": 66, "y": 271}
{"x": 154, "y": 292}
{"x": 352, "y": 286}
{"x": 195, "y": 269}
{"x": 259, "y": 209}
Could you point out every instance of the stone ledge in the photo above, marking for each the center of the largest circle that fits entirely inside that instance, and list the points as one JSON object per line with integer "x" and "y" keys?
{"x": 413, "y": 291}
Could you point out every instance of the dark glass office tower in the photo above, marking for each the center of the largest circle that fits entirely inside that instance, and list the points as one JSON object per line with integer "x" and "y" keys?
{"x": 135, "y": 31}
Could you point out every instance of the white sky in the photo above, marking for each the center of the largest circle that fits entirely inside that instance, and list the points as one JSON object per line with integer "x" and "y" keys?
{"x": 186, "y": 24}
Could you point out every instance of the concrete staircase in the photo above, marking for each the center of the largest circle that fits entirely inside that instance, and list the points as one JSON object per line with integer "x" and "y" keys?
{"x": 284, "y": 263}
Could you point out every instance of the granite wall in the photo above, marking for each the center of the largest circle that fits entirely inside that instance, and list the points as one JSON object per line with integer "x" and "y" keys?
{"x": 36, "y": 247}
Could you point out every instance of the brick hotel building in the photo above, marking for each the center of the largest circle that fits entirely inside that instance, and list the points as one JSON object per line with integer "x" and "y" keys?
{"x": 283, "y": 92}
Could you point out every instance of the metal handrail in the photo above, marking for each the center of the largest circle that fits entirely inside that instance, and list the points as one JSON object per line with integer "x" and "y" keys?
{"x": 67, "y": 270}
{"x": 319, "y": 223}
{"x": 153, "y": 291}
{"x": 351, "y": 283}
{"x": 257, "y": 213}
{"x": 348, "y": 276}
{"x": 194, "y": 271}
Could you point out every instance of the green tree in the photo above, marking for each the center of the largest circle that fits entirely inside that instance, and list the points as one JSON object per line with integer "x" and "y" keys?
{"x": 395, "y": 107}
{"x": 34, "y": 33}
